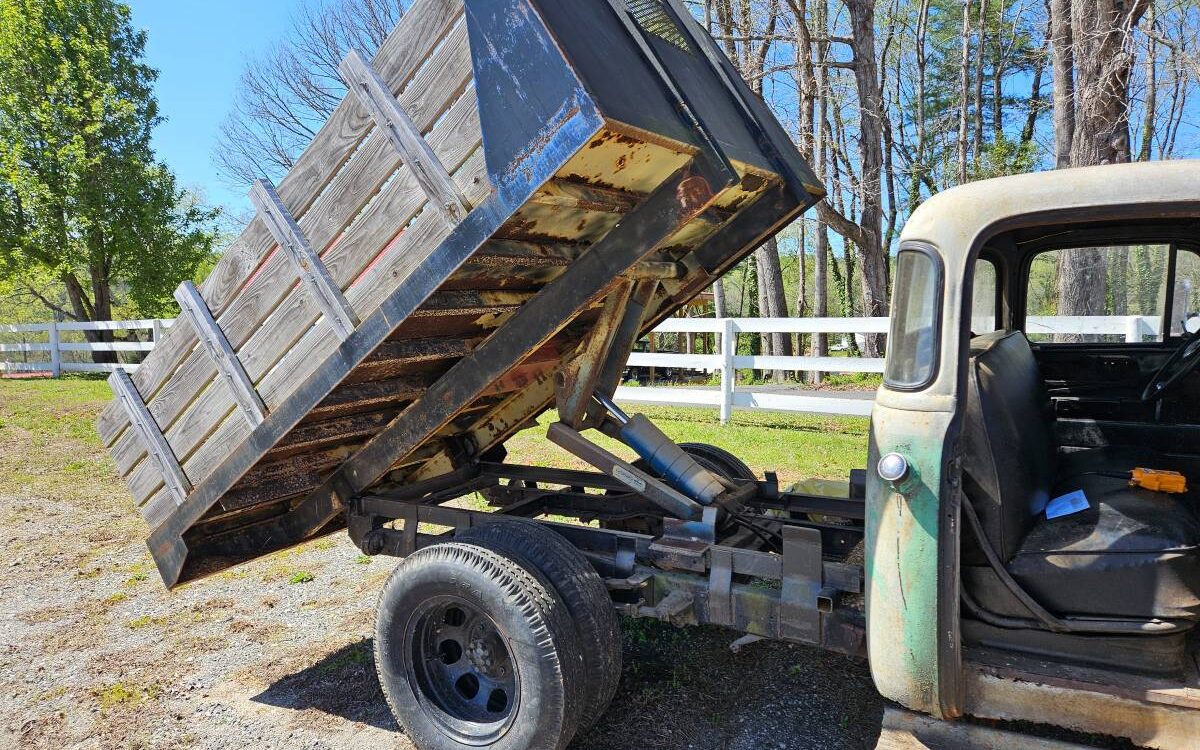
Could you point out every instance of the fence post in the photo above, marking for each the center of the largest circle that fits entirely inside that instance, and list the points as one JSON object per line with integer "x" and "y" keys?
{"x": 1133, "y": 329}
{"x": 158, "y": 331}
{"x": 55, "y": 351}
{"x": 728, "y": 371}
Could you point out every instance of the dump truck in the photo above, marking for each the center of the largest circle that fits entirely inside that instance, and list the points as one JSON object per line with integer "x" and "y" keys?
{"x": 512, "y": 193}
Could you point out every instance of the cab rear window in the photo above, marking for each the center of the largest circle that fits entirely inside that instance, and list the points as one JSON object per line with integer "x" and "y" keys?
{"x": 913, "y": 344}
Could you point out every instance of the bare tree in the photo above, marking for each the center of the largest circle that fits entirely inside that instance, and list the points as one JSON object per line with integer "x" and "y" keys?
{"x": 964, "y": 80}
{"x": 288, "y": 93}
{"x": 1092, "y": 70}
{"x": 747, "y": 30}
{"x": 866, "y": 234}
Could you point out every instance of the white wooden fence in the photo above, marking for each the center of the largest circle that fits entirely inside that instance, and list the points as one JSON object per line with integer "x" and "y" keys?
{"x": 51, "y": 354}
{"x": 728, "y": 362}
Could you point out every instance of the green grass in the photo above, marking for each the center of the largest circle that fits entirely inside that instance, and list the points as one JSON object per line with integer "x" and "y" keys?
{"x": 48, "y": 442}
{"x": 797, "y": 446}
{"x": 49, "y": 447}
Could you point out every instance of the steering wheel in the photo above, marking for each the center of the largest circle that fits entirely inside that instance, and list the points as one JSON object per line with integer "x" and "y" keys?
{"x": 1182, "y": 361}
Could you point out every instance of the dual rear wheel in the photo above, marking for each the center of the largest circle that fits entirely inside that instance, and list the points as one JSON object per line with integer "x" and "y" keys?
{"x": 505, "y": 638}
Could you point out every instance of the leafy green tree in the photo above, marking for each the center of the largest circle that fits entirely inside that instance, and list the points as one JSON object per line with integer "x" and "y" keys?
{"x": 83, "y": 199}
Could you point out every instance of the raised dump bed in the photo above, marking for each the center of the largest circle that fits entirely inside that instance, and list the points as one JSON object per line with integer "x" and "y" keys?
{"x": 496, "y": 178}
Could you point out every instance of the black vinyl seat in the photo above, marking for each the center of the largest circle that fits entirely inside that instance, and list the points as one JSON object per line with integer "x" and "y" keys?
{"x": 1133, "y": 554}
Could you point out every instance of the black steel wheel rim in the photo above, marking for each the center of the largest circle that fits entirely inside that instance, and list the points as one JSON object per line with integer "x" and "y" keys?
{"x": 461, "y": 670}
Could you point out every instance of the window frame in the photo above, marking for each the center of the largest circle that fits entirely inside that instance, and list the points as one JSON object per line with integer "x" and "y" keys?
{"x": 939, "y": 271}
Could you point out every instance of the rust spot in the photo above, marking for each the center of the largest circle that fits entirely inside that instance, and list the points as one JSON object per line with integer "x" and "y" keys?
{"x": 752, "y": 183}
{"x": 693, "y": 192}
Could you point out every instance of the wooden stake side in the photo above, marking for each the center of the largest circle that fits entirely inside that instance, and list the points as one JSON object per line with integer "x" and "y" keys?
{"x": 374, "y": 94}
{"x": 156, "y": 445}
{"x": 217, "y": 346}
{"x": 312, "y": 272}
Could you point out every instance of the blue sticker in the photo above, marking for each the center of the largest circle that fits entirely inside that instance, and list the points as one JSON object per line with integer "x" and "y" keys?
{"x": 1065, "y": 505}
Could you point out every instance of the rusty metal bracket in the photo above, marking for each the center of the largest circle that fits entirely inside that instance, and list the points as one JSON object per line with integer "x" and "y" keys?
{"x": 673, "y": 502}
{"x": 684, "y": 544}
{"x": 671, "y": 608}
{"x": 576, "y": 379}
{"x": 803, "y": 571}
{"x": 720, "y": 581}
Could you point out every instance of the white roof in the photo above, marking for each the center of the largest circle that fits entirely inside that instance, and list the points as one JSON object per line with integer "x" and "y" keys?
{"x": 952, "y": 220}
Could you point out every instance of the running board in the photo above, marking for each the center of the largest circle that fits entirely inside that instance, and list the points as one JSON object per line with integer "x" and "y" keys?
{"x": 905, "y": 730}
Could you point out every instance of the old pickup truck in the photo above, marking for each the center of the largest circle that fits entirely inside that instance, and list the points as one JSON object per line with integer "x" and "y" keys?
{"x": 515, "y": 191}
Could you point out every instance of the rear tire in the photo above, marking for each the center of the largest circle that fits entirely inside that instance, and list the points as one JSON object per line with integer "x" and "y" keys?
{"x": 585, "y": 595}
{"x": 474, "y": 651}
{"x": 719, "y": 460}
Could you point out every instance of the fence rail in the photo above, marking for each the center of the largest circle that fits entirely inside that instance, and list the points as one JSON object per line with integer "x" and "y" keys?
{"x": 50, "y": 359}
{"x": 1132, "y": 328}
{"x": 727, "y": 362}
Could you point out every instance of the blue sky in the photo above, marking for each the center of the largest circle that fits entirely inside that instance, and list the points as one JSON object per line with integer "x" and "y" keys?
{"x": 200, "y": 49}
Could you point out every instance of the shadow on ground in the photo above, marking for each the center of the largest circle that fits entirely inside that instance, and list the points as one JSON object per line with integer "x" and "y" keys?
{"x": 680, "y": 689}
{"x": 342, "y": 684}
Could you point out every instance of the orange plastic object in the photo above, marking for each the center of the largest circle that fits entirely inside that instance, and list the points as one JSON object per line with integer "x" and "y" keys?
{"x": 1156, "y": 480}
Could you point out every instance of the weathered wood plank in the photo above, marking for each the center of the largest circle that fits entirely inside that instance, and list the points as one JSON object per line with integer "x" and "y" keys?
{"x": 454, "y": 137}
{"x": 410, "y": 249}
{"x": 374, "y": 229}
{"x": 305, "y": 262}
{"x": 192, "y": 307}
{"x": 472, "y": 302}
{"x": 365, "y": 83}
{"x": 360, "y": 397}
{"x": 176, "y": 344}
{"x": 196, "y": 425}
{"x": 170, "y": 472}
{"x": 393, "y": 358}
{"x": 319, "y": 435}
{"x": 668, "y": 208}
{"x": 422, "y": 237}
{"x": 400, "y": 58}
{"x": 261, "y": 354}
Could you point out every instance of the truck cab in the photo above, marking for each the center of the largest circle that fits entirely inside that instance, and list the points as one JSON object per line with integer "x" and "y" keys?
{"x": 1033, "y": 522}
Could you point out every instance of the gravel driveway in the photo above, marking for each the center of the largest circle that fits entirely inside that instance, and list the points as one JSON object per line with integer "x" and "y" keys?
{"x": 277, "y": 654}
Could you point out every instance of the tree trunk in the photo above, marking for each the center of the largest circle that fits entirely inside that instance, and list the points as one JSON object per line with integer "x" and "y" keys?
{"x": 1035, "y": 89}
{"x": 1148, "y": 121}
{"x": 871, "y": 253}
{"x": 980, "y": 64}
{"x": 1063, "y": 49}
{"x": 964, "y": 82}
{"x": 1102, "y": 58}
